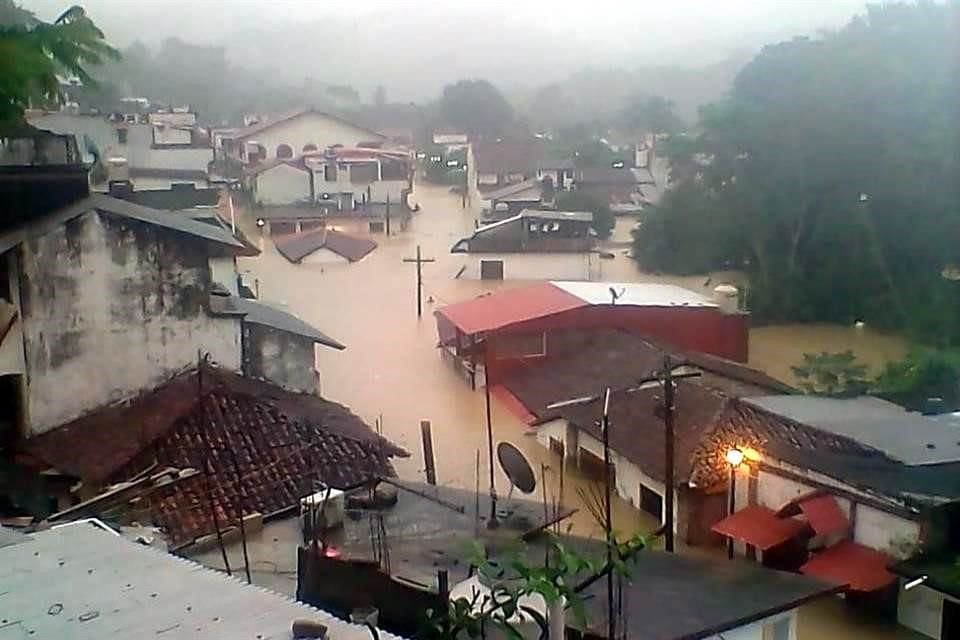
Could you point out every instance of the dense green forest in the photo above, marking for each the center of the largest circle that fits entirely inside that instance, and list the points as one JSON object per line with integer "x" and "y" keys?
{"x": 831, "y": 175}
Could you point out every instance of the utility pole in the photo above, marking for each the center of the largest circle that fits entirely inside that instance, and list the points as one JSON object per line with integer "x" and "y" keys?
{"x": 419, "y": 261}
{"x": 608, "y": 515}
{"x": 669, "y": 486}
{"x": 492, "y": 522}
{"x": 387, "y": 215}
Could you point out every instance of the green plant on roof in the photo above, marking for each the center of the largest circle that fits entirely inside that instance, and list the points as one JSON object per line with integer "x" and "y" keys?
{"x": 831, "y": 374}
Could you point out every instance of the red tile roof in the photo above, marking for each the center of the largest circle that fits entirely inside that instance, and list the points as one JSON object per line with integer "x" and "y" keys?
{"x": 759, "y": 526}
{"x": 507, "y": 156}
{"x": 512, "y": 306}
{"x": 283, "y": 443}
{"x": 847, "y": 563}
{"x": 295, "y": 247}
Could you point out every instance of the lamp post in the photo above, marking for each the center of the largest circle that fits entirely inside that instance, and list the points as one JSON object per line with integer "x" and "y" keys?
{"x": 734, "y": 459}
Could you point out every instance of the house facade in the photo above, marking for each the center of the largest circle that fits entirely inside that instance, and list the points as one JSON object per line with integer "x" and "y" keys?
{"x": 532, "y": 245}
{"x": 869, "y": 490}
{"x": 93, "y": 277}
{"x": 290, "y": 135}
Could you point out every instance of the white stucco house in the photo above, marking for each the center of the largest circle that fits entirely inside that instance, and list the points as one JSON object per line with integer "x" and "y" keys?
{"x": 289, "y": 135}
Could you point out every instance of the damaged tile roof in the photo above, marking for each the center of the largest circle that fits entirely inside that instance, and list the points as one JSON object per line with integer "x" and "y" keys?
{"x": 585, "y": 361}
{"x": 837, "y": 456}
{"x": 266, "y": 315}
{"x": 297, "y": 246}
{"x": 283, "y": 442}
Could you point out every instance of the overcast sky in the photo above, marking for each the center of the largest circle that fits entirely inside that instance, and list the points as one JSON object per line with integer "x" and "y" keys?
{"x": 413, "y": 47}
{"x": 659, "y": 20}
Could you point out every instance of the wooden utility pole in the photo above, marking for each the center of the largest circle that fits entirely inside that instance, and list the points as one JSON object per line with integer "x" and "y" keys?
{"x": 387, "y": 216}
{"x": 669, "y": 486}
{"x": 419, "y": 261}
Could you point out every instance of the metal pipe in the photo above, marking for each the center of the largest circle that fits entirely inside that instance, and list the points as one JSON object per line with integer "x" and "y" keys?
{"x": 492, "y": 522}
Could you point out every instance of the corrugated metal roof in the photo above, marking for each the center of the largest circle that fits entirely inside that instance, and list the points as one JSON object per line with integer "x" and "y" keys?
{"x": 268, "y": 316}
{"x": 84, "y": 583}
{"x": 636, "y": 294}
{"x": 509, "y": 307}
{"x": 905, "y": 436}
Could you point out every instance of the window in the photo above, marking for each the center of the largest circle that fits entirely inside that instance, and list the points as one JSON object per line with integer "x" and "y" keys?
{"x": 284, "y": 151}
{"x": 651, "y": 502}
{"x": 556, "y": 446}
{"x": 592, "y": 466}
{"x": 329, "y": 172}
{"x": 491, "y": 269}
{"x": 309, "y": 147}
{"x": 122, "y": 136}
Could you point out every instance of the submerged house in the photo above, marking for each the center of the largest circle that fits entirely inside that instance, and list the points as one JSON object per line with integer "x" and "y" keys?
{"x": 532, "y": 245}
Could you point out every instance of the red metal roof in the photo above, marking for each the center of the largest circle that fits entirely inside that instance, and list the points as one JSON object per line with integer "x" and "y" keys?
{"x": 822, "y": 512}
{"x": 513, "y": 403}
{"x": 847, "y": 563}
{"x": 759, "y": 526}
{"x": 824, "y": 515}
{"x": 509, "y": 307}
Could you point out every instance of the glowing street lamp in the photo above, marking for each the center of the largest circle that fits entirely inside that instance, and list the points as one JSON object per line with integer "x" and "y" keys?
{"x": 735, "y": 458}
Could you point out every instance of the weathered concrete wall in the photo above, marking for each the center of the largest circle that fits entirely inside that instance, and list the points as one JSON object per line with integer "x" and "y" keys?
{"x": 280, "y": 357}
{"x": 310, "y": 128}
{"x": 536, "y": 266}
{"x": 111, "y": 308}
{"x": 921, "y": 609}
{"x": 283, "y": 184}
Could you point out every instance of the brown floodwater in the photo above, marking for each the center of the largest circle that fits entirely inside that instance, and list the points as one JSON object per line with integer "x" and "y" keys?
{"x": 392, "y": 371}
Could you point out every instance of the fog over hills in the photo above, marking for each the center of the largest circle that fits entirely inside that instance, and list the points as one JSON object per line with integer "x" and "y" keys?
{"x": 413, "y": 48}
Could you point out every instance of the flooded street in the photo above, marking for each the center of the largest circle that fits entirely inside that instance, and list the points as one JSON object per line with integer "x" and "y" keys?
{"x": 392, "y": 370}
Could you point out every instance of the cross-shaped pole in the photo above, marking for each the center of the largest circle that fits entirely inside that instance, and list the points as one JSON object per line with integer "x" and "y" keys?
{"x": 419, "y": 262}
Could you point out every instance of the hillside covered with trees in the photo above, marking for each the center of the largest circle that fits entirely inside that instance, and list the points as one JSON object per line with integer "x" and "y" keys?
{"x": 831, "y": 175}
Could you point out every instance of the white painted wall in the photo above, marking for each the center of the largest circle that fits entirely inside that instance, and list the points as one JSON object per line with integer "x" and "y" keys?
{"x": 873, "y": 528}
{"x": 921, "y": 609}
{"x": 224, "y": 271}
{"x": 324, "y": 256}
{"x": 282, "y": 184}
{"x": 380, "y": 191}
{"x": 310, "y": 128}
{"x": 536, "y": 266}
{"x": 115, "y": 315}
{"x": 164, "y": 134}
{"x": 629, "y": 476}
{"x": 11, "y": 349}
{"x": 755, "y": 630}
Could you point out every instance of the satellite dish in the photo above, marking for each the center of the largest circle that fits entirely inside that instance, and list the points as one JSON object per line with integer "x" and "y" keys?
{"x": 516, "y": 467}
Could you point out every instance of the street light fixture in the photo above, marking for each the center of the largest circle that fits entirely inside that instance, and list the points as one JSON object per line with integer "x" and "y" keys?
{"x": 735, "y": 458}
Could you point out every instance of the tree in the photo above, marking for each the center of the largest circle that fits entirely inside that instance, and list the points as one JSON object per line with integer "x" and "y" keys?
{"x": 924, "y": 373}
{"x": 652, "y": 114}
{"x": 603, "y": 218}
{"x": 831, "y": 374}
{"x": 477, "y": 107}
{"x": 829, "y": 174}
{"x": 32, "y": 55}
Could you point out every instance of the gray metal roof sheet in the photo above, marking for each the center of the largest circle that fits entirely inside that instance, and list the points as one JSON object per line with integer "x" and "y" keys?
{"x": 905, "y": 436}
{"x": 264, "y": 314}
{"x": 83, "y": 583}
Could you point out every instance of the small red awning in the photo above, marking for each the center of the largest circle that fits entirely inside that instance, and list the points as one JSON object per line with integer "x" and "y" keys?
{"x": 824, "y": 515}
{"x": 821, "y": 510}
{"x": 853, "y": 565}
{"x": 759, "y": 526}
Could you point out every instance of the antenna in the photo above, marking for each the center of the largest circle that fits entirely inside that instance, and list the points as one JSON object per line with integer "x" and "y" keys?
{"x": 616, "y": 295}
{"x": 516, "y": 467}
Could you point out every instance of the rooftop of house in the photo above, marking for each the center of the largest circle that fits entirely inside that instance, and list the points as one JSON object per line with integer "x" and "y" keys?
{"x": 266, "y": 315}
{"x": 672, "y": 596}
{"x": 279, "y": 119}
{"x": 828, "y": 451}
{"x": 507, "y": 156}
{"x": 900, "y": 434}
{"x": 581, "y": 361}
{"x": 295, "y": 247}
{"x": 217, "y": 235}
{"x": 282, "y": 442}
{"x": 520, "y": 304}
{"x": 527, "y": 190}
{"x": 83, "y": 582}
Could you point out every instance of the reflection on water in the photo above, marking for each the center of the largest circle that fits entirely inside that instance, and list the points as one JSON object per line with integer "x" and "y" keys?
{"x": 392, "y": 370}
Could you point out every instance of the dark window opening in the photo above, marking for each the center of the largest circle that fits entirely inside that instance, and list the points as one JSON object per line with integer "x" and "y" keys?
{"x": 284, "y": 151}
{"x": 592, "y": 467}
{"x": 10, "y": 411}
{"x": 491, "y": 269}
{"x": 651, "y": 502}
{"x": 5, "y": 292}
{"x": 122, "y": 136}
{"x": 556, "y": 446}
{"x": 393, "y": 171}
